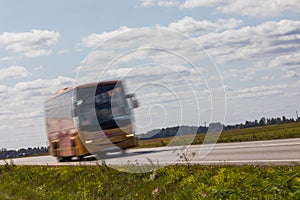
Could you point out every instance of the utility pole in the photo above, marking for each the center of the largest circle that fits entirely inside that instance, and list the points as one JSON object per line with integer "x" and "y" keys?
{"x": 297, "y": 115}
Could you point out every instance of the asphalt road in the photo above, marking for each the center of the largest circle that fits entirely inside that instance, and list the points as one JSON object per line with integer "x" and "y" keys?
{"x": 270, "y": 152}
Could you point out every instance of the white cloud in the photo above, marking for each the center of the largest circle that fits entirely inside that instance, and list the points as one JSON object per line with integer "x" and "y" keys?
{"x": 266, "y": 40}
{"x": 22, "y": 108}
{"x": 268, "y": 91}
{"x": 289, "y": 63}
{"x": 291, "y": 74}
{"x": 167, "y": 3}
{"x": 256, "y": 8}
{"x": 96, "y": 39}
{"x": 202, "y": 3}
{"x": 14, "y": 72}
{"x": 136, "y": 47}
{"x": 63, "y": 51}
{"x": 22, "y": 115}
{"x": 187, "y": 25}
{"x": 244, "y": 74}
{"x": 152, "y": 73}
{"x": 258, "y": 91}
{"x": 260, "y": 8}
{"x": 3, "y": 89}
{"x": 27, "y": 96}
{"x": 6, "y": 58}
{"x": 43, "y": 86}
{"x": 146, "y": 3}
{"x": 224, "y": 39}
{"x": 30, "y": 44}
{"x": 160, "y": 3}
{"x": 267, "y": 78}
{"x": 192, "y": 27}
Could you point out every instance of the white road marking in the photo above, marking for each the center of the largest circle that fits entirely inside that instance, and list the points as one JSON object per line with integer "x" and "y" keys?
{"x": 249, "y": 146}
{"x": 248, "y": 161}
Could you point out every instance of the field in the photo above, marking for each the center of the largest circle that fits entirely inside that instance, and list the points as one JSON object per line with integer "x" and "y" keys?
{"x": 172, "y": 182}
{"x": 279, "y": 131}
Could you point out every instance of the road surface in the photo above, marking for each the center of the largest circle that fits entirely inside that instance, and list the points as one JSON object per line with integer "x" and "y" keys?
{"x": 274, "y": 152}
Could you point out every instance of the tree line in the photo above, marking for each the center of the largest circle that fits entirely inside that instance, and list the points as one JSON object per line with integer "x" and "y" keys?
{"x": 4, "y": 153}
{"x": 187, "y": 130}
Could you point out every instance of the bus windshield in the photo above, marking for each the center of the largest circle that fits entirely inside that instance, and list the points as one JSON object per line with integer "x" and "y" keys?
{"x": 109, "y": 104}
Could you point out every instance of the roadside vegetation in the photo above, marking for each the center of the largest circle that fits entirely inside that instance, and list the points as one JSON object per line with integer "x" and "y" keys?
{"x": 172, "y": 182}
{"x": 271, "y": 132}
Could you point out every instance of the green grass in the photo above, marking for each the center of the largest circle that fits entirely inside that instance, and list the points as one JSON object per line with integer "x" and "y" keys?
{"x": 172, "y": 182}
{"x": 279, "y": 131}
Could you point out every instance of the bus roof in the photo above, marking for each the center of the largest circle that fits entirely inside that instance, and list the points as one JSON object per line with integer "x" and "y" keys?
{"x": 68, "y": 89}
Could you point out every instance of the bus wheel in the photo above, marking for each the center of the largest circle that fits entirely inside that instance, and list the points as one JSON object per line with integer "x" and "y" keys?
{"x": 64, "y": 159}
{"x": 80, "y": 158}
{"x": 60, "y": 159}
{"x": 67, "y": 158}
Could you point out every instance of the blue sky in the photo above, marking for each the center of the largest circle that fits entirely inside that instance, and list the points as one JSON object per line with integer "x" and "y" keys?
{"x": 254, "y": 44}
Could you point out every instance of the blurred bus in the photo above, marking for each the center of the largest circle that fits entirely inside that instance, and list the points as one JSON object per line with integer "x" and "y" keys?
{"x": 89, "y": 119}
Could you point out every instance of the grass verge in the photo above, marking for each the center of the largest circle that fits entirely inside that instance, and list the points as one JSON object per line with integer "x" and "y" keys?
{"x": 172, "y": 182}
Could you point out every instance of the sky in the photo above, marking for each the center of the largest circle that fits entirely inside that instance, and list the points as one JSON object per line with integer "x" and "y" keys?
{"x": 245, "y": 58}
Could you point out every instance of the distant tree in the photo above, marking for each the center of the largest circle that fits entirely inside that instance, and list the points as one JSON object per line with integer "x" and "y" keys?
{"x": 273, "y": 121}
{"x": 284, "y": 119}
{"x": 262, "y": 121}
{"x": 278, "y": 120}
{"x": 247, "y": 124}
